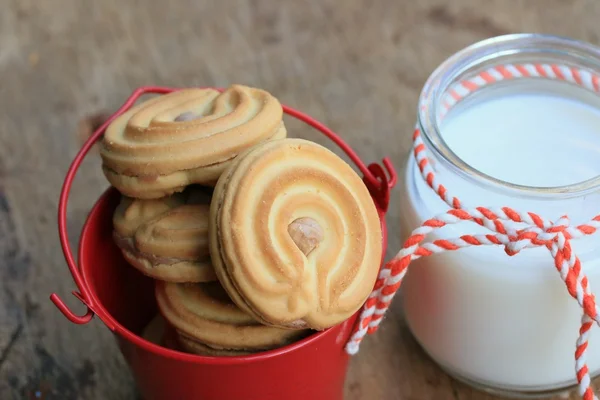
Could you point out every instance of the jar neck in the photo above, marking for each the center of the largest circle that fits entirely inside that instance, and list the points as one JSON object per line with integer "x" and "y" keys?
{"x": 525, "y": 63}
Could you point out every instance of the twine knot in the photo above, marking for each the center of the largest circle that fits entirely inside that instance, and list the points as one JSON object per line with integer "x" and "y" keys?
{"x": 534, "y": 236}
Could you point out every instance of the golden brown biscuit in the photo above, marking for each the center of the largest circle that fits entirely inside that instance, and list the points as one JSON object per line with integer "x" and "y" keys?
{"x": 166, "y": 238}
{"x": 193, "y": 346}
{"x": 173, "y": 340}
{"x": 160, "y": 333}
{"x": 189, "y": 136}
{"x": 208, "y": 323}
{"x": 295, "y": 237}
{"x": 154, "y": 332}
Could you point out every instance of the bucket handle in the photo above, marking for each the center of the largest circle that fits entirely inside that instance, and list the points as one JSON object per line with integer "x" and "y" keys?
{"x": 378, "y": 179}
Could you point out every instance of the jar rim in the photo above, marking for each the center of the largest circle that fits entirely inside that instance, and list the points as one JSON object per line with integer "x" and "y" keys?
{"x": 560, "y": 49}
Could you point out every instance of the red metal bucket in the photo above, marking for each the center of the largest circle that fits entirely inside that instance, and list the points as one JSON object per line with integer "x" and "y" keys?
{"x": 313, "y": 368}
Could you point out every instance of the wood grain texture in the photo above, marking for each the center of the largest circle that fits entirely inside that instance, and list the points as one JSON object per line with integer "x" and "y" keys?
{"x": 357, "y": 65}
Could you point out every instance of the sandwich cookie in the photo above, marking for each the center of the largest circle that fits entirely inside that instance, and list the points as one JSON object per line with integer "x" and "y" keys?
{"x": 189, "y": 136}
{"x": 166, "y": 238}
{"x": 209, "y": 323}
{"x": 160, "y": 333}
{"x": 154, "y": 332}
{"x": 295, "y": 238}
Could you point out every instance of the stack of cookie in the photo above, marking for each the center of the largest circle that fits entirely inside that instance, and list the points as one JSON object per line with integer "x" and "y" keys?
{"x": 254, "y": 239}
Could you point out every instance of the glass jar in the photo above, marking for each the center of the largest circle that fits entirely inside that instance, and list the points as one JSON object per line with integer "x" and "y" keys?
{"x": 511, "y": 121}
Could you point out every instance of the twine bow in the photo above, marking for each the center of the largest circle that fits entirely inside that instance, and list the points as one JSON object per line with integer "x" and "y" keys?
{"x": 537, "y": 232}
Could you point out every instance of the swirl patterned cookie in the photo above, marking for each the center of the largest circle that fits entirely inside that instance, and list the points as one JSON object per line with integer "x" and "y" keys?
{"x": 208, "y": 323}
{"x": 294, "y": 235}
{"x": 159, "y": 332}
{"x": 166, "y": 238}
{"x": 154, "y": 332}
{"x": 189, "y": 136}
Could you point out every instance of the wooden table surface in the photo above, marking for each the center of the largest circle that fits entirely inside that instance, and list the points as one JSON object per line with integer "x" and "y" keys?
{"x": 357, "y": 65}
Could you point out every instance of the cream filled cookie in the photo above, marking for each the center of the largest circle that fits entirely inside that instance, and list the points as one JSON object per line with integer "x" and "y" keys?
{"x": 189, "y": 136}
{"x": 160, "y": 333}
{"x": 166, "y": 238}
{"x": 295, "y": 238}
{"x": 154, "y": 332}
{"x": 209, "y": 323}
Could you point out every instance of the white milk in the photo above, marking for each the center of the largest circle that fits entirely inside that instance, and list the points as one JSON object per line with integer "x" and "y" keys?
{"x": 499, "y": 321}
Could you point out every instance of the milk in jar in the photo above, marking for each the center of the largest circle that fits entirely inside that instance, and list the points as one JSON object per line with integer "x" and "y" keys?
{"x": 498, "y": 136}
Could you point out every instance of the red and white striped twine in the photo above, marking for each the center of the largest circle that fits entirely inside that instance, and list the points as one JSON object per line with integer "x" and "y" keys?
{"x": 556, "y": 236}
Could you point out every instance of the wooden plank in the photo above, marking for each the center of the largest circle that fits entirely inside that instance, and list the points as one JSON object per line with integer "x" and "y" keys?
{"x": 357, "y": 65}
